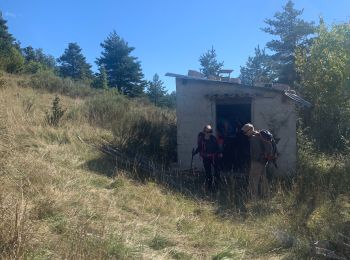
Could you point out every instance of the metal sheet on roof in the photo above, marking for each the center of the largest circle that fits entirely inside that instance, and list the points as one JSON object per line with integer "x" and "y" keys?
{"x": 291, "y": 95}
{"x": 222, "y": 82}
{"x": 298, "y": 100}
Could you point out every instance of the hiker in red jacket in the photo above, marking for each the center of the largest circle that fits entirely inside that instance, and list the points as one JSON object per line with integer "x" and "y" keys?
{"x": 208, "y": 149}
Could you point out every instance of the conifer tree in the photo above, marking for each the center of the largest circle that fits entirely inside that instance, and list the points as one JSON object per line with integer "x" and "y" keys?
{"x": 292, "y": 33}
{"x": 257, "y": 69}
{"x": 209, "y": 63}
{"x": 156, "y": 90}
{"x": 101, "y": 80}
{"x": 123, "y": 70}
{"x": 6, "y": 39}
{"x": 73, "y": 63}
{"x": 11, "y": 59}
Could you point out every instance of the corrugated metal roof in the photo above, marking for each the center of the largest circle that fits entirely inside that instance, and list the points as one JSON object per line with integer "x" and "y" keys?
{"x": 298, "y": 100}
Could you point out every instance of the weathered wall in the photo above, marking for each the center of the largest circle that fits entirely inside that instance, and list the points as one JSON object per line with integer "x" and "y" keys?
{"x": 269, "y": 110}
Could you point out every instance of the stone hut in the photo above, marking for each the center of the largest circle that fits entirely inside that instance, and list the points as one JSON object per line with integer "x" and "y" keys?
{"x": 201, "y": 101}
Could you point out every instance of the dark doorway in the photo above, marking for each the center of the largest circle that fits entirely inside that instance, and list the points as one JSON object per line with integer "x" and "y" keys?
{"x": 231, "y": 115}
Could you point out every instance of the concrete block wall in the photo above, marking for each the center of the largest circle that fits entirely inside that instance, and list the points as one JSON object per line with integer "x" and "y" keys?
{"x": 269, "y": 110}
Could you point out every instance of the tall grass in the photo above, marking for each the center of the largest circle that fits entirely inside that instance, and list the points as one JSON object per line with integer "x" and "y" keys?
{"x": 138, "y": 127}
{"x": 57, "y": 203}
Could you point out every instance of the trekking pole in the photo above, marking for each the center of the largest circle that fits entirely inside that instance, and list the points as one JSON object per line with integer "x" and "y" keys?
{"x": 192, "y": 158}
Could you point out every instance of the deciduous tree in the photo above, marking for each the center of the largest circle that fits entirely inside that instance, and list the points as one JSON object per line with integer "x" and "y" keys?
{"x": 325, "y": 77}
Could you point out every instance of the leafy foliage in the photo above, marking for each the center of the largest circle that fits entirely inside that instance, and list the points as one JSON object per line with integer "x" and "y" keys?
{"x": 47, "y": 80}
{"x": 325, "y": 79}
{"x": 138, "y": 128}
{"x": 123, "y": 70}
{"x": 209, "y": 63}
{"x": 36, "y": 60}
{"x": 11, "y": 59}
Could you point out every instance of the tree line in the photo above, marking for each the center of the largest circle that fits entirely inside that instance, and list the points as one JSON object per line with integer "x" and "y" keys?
{"x": 117, "y": 68}
{"x": 314, "y": 60}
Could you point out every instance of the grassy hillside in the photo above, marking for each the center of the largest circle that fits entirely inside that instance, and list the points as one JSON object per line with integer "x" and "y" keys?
{"x": 60, "y": 198}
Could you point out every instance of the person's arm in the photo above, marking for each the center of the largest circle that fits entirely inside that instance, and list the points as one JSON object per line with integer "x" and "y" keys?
{"x": 268, "y": 150}
{"x": 199, "y": 144}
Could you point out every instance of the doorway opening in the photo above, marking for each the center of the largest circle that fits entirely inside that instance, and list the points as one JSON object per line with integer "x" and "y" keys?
{"x": 231, "y": 115}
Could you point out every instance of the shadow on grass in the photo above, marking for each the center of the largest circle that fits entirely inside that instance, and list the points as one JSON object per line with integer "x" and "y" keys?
{"x": 103, "y": 165}
{"x": 190, "y": 183}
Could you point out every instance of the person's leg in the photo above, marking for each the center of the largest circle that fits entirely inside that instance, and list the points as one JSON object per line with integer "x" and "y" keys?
{"x": 208, "y": 175}
{"x": 264, "y": 184}
{"x": 217, "y": 177}
{"x": 240, "y": 193}
{"x": 256, "y": 169}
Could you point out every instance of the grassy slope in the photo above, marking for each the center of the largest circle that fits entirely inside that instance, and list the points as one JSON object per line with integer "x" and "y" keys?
{"x": 56, "y": 201}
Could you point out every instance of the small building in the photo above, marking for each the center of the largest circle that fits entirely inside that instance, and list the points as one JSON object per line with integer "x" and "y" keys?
{"x": 201, "y": 101}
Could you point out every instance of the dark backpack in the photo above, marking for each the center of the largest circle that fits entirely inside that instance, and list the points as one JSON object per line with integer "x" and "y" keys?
{"x": 267, "y": 136}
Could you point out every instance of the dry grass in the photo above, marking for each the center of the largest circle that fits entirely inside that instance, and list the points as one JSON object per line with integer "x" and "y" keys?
{"x": 56, "y": 201}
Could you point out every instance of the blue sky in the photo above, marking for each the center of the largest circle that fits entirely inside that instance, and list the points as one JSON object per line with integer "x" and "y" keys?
{"x": 168, "y": 35}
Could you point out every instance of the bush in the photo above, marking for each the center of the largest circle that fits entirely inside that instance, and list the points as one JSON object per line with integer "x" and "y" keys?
{"x": 2, "y": 81}
{"x": 57, "y": 113}
{"x": 49, "y": 81}
{"x": 318, "y": 203}
{"x": 11, "y": 59}
{"x": 33, "y": 67}
{"x": 137, "y": 128}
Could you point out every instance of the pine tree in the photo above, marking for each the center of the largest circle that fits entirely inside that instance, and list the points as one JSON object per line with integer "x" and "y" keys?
{"x": 6, "y": 39}
{"x": 169, "y": 100}
{"x": 73, "y": 63}
{"x": 101, "y": 80}
{"x": 156, "y": 90}
{"x": 11, "y": 59}
{"x": 123, "y": 70}
{"x": 209, "y": 64}
{"x": 292, "y": 33}
{"x": 257, "y": 69}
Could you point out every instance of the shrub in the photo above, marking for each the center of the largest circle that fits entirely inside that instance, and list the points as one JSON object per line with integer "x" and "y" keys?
{"x": 57, "y": 113}
{"x": 2, "y": 81}
{"x": 47, "y": 80}
{"x": 138, "y": 128}
{"x": 11, "y": 59}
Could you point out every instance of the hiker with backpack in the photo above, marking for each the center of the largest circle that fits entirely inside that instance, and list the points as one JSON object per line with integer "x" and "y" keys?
{"x": 208, "y": 149}
{"x": 261, "y": 153}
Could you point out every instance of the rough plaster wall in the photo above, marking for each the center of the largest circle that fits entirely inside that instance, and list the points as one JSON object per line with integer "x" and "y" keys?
{"x": 194, "y": 111}
{"x": 279, "y": 116}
